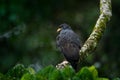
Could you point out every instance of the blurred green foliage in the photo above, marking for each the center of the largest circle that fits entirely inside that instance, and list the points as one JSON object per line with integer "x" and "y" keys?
{"x": 28, "y": 33}
{"x": 19, "y": 72}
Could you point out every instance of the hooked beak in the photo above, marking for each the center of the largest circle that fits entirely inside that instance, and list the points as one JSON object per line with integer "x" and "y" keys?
{"x": 59, "y": 29}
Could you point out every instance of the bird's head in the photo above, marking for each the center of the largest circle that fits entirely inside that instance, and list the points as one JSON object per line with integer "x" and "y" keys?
{"x": 63, "y": 27}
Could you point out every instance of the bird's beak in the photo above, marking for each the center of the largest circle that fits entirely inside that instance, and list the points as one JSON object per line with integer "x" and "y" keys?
{"x": 59, "y": 29}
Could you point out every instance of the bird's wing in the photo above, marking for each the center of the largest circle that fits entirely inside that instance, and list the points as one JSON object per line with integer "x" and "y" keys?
{"x": 71, "y": 51}
{"x": 74, "y": 38}
{"x": 58, "y": 42}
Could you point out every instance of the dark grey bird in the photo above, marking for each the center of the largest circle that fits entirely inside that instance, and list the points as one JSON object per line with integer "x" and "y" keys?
{"x": 68, "y": 43}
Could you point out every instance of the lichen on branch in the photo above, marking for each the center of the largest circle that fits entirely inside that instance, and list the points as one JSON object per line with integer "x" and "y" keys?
{"x": 100, "y": 26}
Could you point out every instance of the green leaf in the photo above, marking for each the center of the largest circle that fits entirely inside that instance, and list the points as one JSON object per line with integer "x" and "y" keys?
{"x": 31, "y": 70}
{"x": 56, "y": 75}
{"x": 94, "y": 72}
{"x": 84, "y": 74}
{"x": 16, "y": 72}
{"x": 45, "y": 73}
{"x": 28, "y": 76}
{"x": 67, "y": 73}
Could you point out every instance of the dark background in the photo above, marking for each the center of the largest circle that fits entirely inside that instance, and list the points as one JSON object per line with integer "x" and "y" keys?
{"x": 28, "y": 33}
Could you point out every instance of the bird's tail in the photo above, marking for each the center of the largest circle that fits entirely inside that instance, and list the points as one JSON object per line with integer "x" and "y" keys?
{"x": 74, "y": 64}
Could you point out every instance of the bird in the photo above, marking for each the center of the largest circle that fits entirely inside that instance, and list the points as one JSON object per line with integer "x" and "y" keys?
{"x": 69, "y": 44}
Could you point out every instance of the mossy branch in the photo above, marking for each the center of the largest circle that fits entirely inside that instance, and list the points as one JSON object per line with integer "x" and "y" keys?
{"x": 100, "y": 26}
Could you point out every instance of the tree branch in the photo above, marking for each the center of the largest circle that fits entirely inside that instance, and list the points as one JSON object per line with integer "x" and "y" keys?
{"x": 100, "y": 26}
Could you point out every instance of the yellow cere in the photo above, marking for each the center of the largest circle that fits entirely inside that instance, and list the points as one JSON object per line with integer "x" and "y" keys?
{"x": 59, "y": 29}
